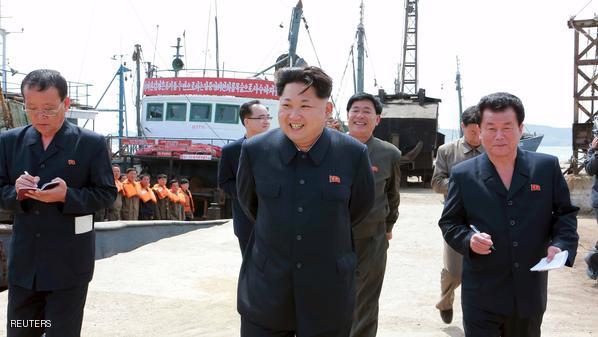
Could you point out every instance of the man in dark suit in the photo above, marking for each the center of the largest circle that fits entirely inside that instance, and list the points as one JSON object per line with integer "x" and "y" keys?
{"x": 304, "y": 186}
{"x": 256, "y": 119}
{"x": 520, "y": 203}
{"x": 52, "y": 248}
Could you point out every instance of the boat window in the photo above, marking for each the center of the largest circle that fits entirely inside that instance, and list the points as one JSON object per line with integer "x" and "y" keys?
{"x": 200, "y": 113}
{"x": 227, "y": 114}
{"x": 176, "y": 111}
{"x": 155, "y": 111}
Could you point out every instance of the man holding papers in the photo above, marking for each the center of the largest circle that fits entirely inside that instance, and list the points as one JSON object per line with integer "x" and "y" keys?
{"x": 520, "y": 204}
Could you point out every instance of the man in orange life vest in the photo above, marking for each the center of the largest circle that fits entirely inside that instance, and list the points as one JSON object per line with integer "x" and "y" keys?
{"x": 174, "y": 202}
{"x": 131, "y": 189}
{"x": 189, "y": 206}
{"x": 161, "y": 192}
{"x": 147, "y": 199}
{"x": 113, "y": 212}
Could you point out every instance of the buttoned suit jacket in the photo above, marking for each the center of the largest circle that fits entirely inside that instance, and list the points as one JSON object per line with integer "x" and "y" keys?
{"x": 227, "y": 181}
{"x": 534, "y": 213}
{"x": 45, "y": 253}
{"x": 298, "y": 269}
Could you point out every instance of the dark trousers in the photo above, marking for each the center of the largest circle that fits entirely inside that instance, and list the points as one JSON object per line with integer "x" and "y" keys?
{"x": 58, "y": 313}
{"x": 243, "y": 245}
{"x": 250, "y": 329}
{"x": 481, "y": 323}
{"x": 369, "y": 276}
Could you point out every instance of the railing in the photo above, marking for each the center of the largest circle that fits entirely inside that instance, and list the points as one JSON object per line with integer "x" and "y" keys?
{"x": 159, "y": 147}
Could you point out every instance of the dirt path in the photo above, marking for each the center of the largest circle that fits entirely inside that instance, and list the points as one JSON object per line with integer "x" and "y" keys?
{"x": 186, "y": 285}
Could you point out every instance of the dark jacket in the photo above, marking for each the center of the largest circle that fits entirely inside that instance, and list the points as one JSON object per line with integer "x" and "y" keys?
{"x": 592, "y": 169}
{"x": 227, "y": 181}
{"x": 298, "y": 269}
{"x": 44, "y": 246}
{"x": 534, "y": 213}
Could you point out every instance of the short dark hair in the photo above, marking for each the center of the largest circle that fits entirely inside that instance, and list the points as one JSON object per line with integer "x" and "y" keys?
{"x": 115, "y": 165}
{"x": 470, "y": 116}
{"x": 143, "y": 175}
{"x": 499, "y": 102}
{"x": 130, "y": 169}
{"x": 172, "y": 182}
{"x": 365, "y": 96}
{"x": 310, "y": 76}
{"x": 184, "y": 181}
{"x": 43, "y": 79}
{"x": 245, "y": 109}
{"x": 162, "y": 176}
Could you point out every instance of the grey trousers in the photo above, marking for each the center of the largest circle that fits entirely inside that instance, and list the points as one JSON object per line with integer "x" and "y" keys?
{"x": 450, "y": 277}
{"x": 369, "y": 276}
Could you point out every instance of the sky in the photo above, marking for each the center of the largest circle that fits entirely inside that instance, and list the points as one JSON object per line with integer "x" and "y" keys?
{"x": 519, "y": 46}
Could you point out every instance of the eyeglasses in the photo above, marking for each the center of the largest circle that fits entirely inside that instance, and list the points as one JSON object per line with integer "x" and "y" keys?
{"x": 264, "y": 118}
{"x": 45, "y": 112}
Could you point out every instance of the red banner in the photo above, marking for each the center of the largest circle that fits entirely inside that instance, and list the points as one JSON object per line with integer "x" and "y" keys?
{"x": 210, "y": 86}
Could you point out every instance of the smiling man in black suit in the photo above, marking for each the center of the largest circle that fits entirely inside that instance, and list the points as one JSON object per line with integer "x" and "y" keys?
{"x": 304, "y": 186}
{"x": 520, "y": 203}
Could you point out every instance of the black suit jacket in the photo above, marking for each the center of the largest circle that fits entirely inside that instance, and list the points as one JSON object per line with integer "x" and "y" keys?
{"x": 298, "y": 269}
{"x": 534, "y": 213}
{"x": 44, "y": 246}
{"x": 227, "y": 181}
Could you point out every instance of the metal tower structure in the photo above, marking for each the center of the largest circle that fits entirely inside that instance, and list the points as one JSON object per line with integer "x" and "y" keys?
{"x": 409, "y": 64}
{"x": 585, "y": 78}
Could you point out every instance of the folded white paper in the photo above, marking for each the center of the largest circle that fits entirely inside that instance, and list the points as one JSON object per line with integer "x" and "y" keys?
{"x": 83, "y": 224}
{"x": 556, "y": 263}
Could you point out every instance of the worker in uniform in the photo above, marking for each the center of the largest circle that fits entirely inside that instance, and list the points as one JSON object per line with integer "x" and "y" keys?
{"x": 189, "y": 205}
{"x": 449, "y": 155}
{"x": 162, "y": 199}
{"x": 256, "y": 119}
{"x": 303, "y": 186}
{"x": 131, "y": 189}
{"x": 147, "y": 199}
{"x": 174, "y": 202}
{"x": 371, "y": 235}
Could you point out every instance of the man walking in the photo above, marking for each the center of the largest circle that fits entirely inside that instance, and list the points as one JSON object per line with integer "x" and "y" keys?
{"x": 371, "y": 235}
{"x": 505, "y": 210}
{"x": 256, "y": 119}
{"x": 303, "y": 186}
{"x": 449, "y": 155}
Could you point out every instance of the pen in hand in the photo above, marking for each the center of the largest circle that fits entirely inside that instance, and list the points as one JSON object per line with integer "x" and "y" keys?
{"x": 477, "y": 231}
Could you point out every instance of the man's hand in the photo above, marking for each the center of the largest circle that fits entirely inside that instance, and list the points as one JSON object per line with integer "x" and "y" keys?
{"x": 552, "y": 250}
{"x": 595, "y": 143}
{"x": 26, "y": 181}
{"x": 56, "y": 194}
{"x": 389, "y": 236}
{"x": 481, "y": 243}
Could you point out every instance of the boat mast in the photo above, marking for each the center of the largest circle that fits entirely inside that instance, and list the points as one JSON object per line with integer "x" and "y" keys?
{"x": 137, "y": 59}
{"x": 294, "y": 32}
{"x": 409, "y": 65}
{"x": 459, "y": 96}
{"x": 360, "y": 51}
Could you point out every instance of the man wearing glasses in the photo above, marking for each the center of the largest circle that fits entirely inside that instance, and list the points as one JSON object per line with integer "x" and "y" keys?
{"x": 51, "y": 257}
{"x": 255, "y": 118}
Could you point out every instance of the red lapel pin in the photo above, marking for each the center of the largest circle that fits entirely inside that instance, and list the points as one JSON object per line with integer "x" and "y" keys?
{"x": 334, "y": 179}
{"x": 535, "y": 187}
{"x": 374, "y": 169}
{"x": 71, "y": 162}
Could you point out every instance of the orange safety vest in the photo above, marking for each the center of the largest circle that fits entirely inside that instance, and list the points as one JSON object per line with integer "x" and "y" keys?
{"x": 189, "y": 206}
{"x": 131, "y": 189}
{"x": 161, "y": 192}
{"x": 173, "y": 196}
{"x": 146, "y": 195}
{"x": 119, "y": 185}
